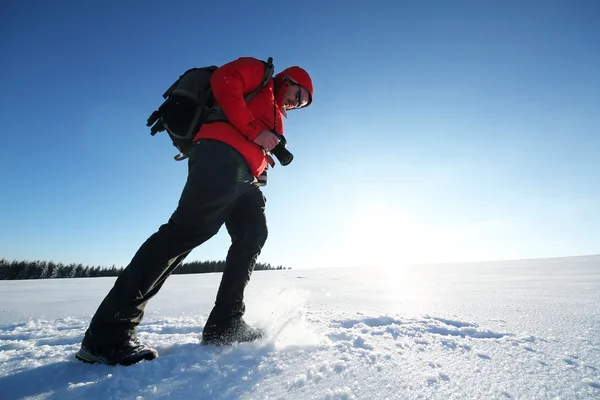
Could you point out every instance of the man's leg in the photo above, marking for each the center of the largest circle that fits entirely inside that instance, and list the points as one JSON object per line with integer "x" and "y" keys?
{"x": 217, "y": 176}
{"x": 247, "y": 227}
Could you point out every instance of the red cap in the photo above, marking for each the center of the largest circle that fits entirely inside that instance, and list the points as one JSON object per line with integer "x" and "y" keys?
{"x": 300, "y": 76}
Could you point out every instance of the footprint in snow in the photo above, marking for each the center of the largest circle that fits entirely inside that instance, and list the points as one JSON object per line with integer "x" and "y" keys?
{"x": 433, "y": 379}
{"x": 360, "y": 343}
{"x": 454, "y": 323}
{"x": 595, "y": 385}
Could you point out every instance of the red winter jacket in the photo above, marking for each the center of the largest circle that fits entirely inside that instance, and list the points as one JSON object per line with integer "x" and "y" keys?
{"x": 230, "y": 84}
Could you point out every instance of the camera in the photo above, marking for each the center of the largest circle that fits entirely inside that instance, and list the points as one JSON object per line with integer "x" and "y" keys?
{"x": 281, "y": 153}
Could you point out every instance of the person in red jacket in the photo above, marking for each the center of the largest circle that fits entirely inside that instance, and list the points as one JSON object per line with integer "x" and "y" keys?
{"x": 222, "y": 188}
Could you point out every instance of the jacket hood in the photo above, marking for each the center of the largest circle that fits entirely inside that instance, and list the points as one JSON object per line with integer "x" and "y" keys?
{"x": 299, "y": 76}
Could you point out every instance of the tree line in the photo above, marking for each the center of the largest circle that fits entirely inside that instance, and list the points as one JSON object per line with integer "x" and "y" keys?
{"x": 14, "y": 270}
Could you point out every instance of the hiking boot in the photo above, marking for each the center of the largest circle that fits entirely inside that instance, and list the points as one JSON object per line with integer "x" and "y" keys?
{"x": 229, "y": 332}
{"x": 126, "y": 353}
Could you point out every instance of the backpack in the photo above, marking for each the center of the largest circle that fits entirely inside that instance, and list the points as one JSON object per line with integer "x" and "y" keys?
{"x": 189, "y": 103}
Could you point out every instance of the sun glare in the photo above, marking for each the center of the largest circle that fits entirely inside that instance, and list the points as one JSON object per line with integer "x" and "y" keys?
{"x": 379, "y": 235}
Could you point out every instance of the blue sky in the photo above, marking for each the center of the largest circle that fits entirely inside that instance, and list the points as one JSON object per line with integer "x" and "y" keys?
{"x": 440, "y": 131}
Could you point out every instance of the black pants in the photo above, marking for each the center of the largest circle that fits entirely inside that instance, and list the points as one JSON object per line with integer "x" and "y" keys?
{"x": 219, "y": 190}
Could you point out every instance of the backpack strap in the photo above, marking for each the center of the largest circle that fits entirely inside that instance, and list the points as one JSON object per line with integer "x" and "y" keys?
{"x": 216, "y": 114}
{"x": 269, "y": 70}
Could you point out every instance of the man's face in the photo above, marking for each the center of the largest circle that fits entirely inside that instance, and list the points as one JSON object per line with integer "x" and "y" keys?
{"x": 295, "y": 96}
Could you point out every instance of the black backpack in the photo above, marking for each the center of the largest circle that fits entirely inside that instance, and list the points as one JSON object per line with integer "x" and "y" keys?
{"x": 189, "y": 103}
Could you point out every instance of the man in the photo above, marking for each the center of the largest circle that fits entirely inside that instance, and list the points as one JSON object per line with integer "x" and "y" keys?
{"x": 224, "y": 164}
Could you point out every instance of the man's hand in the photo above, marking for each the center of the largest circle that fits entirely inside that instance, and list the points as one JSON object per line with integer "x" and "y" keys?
{"x": 267, "y": 140}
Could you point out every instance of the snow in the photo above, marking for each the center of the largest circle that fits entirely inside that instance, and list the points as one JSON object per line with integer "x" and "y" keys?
{"x": 508, "y": 330}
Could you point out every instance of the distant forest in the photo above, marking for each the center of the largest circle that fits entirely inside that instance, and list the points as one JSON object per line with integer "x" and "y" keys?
{"x": 12, "y": 270}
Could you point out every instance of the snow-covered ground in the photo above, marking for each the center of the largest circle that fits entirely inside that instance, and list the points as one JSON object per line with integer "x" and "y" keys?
{"x": 510, "y": 330}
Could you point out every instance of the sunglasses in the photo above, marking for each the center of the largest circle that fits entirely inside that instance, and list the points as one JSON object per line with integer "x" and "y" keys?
{"x": 300, "y": 102}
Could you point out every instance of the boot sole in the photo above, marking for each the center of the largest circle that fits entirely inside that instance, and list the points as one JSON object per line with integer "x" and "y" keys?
{"x": 224, "y": 341}
{"x": 89, "y": 358}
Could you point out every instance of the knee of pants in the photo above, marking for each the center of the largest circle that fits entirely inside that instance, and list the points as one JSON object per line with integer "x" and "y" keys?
{"x": 175, "y": 238}
{"x": 257, "y": 237}
{"x": 262, "y": 235}
{"x": 250, "y": 237}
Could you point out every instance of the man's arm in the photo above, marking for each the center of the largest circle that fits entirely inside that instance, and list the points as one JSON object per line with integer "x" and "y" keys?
{"x": 229, "y": 84}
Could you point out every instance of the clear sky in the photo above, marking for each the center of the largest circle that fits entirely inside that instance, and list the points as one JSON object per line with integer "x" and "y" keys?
{"x": 440, "y": 131}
